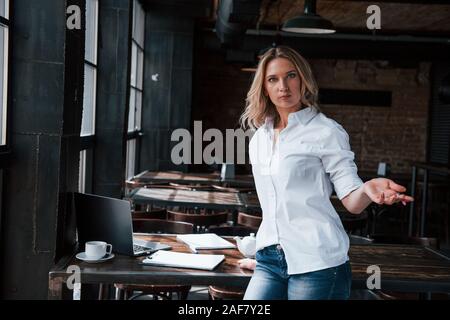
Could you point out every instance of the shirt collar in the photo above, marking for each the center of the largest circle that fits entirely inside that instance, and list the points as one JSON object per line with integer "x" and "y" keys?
{"x": 304, "y": 116}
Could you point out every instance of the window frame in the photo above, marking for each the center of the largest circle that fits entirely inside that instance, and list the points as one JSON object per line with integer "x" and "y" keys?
{"x": 87, "y": 141}
{"x": 6, "y": 103}
{"x": 5, "y": 153}
{"x": 136, "y": 133}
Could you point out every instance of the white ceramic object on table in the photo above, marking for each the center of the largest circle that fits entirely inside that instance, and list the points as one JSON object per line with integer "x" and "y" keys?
{"x": 95, "y": 250}
{"x": 247, "y": 245}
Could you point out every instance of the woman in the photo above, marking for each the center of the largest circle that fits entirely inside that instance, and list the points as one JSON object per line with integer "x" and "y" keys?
{"x": 297, "y": 156}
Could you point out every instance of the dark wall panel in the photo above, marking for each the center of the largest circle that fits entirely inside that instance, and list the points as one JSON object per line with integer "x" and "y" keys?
{"x": 167, "y": 103}
{"x": 112, "y": 103}
{"x": 41, "y": 94}
{"x": 46, "y": 89}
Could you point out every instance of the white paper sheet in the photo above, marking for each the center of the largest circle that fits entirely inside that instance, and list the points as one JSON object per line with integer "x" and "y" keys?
{"x": 184, "y": 260}
{"x": 205, "y": 241}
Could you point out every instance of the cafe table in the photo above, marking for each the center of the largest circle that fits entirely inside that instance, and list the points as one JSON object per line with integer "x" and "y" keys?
{"x": 159, "y": 177}
{"x": 404, "y": 268}
{"x": 215, "y": 200}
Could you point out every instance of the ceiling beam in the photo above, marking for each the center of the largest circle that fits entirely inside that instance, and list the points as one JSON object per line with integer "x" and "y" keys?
{"x": 185, "y": 8}
{"x": 345, "y": 46}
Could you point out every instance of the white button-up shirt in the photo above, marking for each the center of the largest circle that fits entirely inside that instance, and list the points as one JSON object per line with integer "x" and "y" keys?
{"x": 294, "y": 179}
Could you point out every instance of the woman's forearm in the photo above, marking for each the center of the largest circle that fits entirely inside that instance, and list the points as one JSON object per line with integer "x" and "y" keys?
{"x": 357, "y": 200}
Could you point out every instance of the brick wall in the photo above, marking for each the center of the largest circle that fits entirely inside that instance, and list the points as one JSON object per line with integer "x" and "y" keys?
{"x": 396, "y": 134}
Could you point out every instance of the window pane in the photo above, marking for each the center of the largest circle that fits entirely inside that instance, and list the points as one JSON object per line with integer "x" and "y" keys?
{"x": 139, "y": 24}
{"x": 132, "y": 111}
{"x": 131, "y": 155}
{"x": 140, "y": 68}
{"x": 4, "y": 4}
{"x": 82, "y": 172}
{"x": 88, "y": 120}
{"x": 91, "y": 30}
{"x": 138, "y": 110}
{"x": 3, "y": 82}
{"x": 133, "y": 64}
{"x": 133, "y": 30}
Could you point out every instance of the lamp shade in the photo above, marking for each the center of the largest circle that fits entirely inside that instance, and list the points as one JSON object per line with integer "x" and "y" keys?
{"x": 308, "y": 23}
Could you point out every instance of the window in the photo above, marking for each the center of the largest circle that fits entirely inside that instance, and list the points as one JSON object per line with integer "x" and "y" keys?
{"x": 4, "y": 59}
{"x": 136, "y": 87}
{"x": 4, "y": 43}
{"x": 89, "y": 98}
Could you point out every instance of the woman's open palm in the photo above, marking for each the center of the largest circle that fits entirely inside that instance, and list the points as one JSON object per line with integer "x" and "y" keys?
{"x": 386, "y": 191}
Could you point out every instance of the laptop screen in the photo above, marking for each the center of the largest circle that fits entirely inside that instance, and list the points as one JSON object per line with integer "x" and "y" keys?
{"x": 104, "y": 219}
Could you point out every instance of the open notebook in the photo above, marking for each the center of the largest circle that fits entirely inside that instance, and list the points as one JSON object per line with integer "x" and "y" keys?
{"x": 205, "y": 241}
{"x": 184, "y": 260}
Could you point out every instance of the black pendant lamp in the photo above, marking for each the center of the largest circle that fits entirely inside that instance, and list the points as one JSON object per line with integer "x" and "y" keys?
{"x": 309, "y": 22}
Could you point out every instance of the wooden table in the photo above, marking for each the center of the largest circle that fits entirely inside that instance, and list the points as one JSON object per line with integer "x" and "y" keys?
{"x": 404, "y": 268}
{"x": 155, "y": 177}
{"x": 195, "y": 199}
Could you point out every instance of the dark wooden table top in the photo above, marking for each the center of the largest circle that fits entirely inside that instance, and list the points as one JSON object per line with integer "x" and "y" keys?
{"x": 403, "y": 268}
{"x": 187, "y": 198}
{"x": 197, "y": 178}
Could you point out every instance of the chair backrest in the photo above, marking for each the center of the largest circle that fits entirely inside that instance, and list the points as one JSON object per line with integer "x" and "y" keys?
{"x": 154, "y": 214}
{"x": 393, "y": 239}
{"x": 162, "y": 226}
{"x": 249, "y": 220}
{"x": 205, "y": 220}
{"x": 241, "y": 231}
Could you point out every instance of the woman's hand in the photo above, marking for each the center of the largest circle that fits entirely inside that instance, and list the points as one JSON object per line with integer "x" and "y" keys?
{"x": 247, "y": 264}
{"x": 385, "y": 191}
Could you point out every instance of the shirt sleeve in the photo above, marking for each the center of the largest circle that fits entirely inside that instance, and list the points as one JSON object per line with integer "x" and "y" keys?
{"x": 338, "y": 161}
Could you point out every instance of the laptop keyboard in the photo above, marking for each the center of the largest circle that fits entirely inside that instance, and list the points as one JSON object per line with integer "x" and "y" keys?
{"x": 138, "y": 248}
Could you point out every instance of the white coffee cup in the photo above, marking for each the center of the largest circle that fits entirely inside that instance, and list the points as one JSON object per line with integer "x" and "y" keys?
{"x": 97, "y": 249}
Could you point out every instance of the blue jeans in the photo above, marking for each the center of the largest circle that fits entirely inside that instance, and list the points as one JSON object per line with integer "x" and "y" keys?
{"x": 270, "y": 280}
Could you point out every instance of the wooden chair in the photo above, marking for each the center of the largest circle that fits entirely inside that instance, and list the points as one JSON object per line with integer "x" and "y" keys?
{"x": 200, "y": 221}
{"x": 245, "y": 219}
{"x": 153, "y": 214}
{"x": 254, "y": 212}
{"x": 225, "y": 293}
{"x": 162, "y": 226}
{"x": 229, "y": 292}
{"x": 157, "y": 291}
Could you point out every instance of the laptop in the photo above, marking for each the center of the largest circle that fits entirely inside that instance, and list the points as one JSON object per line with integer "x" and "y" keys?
{"x": 109, "y": 219}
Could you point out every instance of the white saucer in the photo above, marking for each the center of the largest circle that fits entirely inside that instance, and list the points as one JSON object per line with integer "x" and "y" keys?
{"x": 82, "y": 256}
